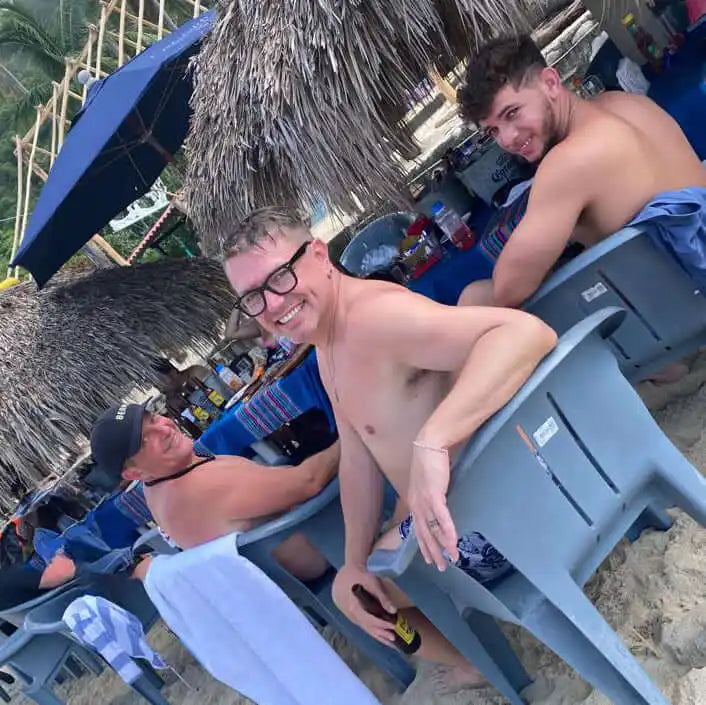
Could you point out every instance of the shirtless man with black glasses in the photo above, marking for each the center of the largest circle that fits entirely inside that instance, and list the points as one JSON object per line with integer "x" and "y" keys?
{"x": 409, "y": 380}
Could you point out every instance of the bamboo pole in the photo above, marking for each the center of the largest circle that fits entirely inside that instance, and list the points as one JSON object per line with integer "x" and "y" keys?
{"x": 101, "y": 35}
{"x": 146, "y": 23}
{"x": 160, "y": 21}
{"x": 40, "y": 172}
{"x": 18, "y": 209}
{"x": 140, "y": 17}
{"x": 109, "y": 250}
{"x": 28, "y": 182}
{"x": 92, "y": 32}
{"x": 123, "y": 40}
{"x": 64, "y": 101}
{"x": 121, "y": 35}
{"x": 84, "y": 65}
{"x": 55, "y": 89}
{"x": 197, "y": 8}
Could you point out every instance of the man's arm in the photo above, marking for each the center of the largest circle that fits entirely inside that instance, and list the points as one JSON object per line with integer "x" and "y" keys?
{"x": 491, "y": 350}
{"x": 362, "y": 489}
{"x": 559, "y": 194}
{"x": 236, "y": 489}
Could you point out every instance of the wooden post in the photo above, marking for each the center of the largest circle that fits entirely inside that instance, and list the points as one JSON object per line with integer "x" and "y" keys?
{"x": 18, "y": 209}
{"x": 28, "y": 182}
{"x": 101, "y": 35}
{"x": 140, "y": 17}
{"x": 160, "y": 21}
{"x": 92, "y": 33}
{"x": 110, "y": 250}
{"x": 55, "y": 96}
{"x": 64, "y": 100}
{"x": 121, "y": 35}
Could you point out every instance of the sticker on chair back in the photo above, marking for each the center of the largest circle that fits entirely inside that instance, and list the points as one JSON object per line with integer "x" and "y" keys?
{"x": 545, "y": 432}
{"x": 594, "y": 292}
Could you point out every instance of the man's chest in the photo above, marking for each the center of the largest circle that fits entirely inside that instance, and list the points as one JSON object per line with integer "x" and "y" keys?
{"x": 380, "y": 399}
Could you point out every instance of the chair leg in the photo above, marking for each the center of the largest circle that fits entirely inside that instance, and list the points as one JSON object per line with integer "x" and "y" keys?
{"x": 44, "y": 696}
{"x": 654, "y": 517}
{"x": 685, "y": 484}
{"x": 588, "y": 643}
{"x": 149, "y": 691}
{"x": 502, "y": 669}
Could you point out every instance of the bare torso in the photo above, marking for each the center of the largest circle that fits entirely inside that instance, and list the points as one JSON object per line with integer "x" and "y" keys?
{"x": 652, "y": 155}
{"x": 385, "y": 401}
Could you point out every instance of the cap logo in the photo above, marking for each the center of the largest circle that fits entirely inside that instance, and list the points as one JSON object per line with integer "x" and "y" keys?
{"x": 120, "y": 414}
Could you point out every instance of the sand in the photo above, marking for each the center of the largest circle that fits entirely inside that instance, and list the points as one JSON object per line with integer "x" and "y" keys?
{"x": 653, "y": 592}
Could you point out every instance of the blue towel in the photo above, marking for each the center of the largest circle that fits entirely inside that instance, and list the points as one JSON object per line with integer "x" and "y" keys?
{"x": 676, "y": 222}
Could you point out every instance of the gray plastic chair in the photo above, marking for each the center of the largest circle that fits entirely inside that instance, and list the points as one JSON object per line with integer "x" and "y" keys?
{"x": 386, "y": 230}
{"x": 321, "y": 521}
{"x": 553, "y": 481}
{"x": 666, "y": 315}
{"x": 43, "y": 647}
{"x": 46, "y": 619}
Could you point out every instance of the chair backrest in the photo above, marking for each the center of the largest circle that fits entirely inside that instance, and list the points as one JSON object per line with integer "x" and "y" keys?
{"x": 564, "y": 468}
{"x": 15, "y": 615}
{"x": 665, "y": 315}
{"x": 387, "y": 230}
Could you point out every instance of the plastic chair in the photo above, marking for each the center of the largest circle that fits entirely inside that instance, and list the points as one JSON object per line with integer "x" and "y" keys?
{"x": 553, "y": 481}
{"x": 39, "y": 659}
{"x": 387, "y": 230}
{"x": 666, "y": 315}
{"x": 45, "y": 622}
{"x": 321, "y": 521}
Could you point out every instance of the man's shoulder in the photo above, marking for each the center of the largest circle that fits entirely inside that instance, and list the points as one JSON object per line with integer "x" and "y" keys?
{"x": 369, "y": 300}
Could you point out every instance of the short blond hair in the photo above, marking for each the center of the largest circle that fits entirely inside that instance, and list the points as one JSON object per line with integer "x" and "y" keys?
{"x": 261, "y": 224}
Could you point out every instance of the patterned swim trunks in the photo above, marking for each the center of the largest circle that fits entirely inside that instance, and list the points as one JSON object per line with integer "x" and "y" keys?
{"x": 480, "y": 559}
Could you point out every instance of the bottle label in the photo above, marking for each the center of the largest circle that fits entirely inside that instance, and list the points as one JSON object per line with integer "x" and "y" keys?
{"x": 216, "y": 398}
{"x": 403, "y": 630}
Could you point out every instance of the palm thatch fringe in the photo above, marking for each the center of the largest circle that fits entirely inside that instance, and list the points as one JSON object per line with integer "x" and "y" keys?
{"x": 296, "y": 101}
{"x": 83, "y": 343}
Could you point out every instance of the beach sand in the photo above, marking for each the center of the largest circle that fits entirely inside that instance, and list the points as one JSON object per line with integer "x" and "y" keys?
{"x": 653, "y": 592}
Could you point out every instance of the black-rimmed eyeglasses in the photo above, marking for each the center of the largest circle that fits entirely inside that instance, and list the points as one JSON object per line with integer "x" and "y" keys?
{"x": 281, "y": 281}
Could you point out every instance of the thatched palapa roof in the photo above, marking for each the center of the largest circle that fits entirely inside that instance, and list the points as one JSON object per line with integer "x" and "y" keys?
{"x": 83, "y": 343}
{"x": 301, "y": 100}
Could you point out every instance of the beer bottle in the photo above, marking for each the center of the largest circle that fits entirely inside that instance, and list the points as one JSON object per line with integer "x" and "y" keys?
{"x": 407, "y": 639}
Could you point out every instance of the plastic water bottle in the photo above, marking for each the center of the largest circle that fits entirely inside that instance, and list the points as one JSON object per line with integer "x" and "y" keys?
{"x": 451, "y": 224}
{"x": 229, "y": 377}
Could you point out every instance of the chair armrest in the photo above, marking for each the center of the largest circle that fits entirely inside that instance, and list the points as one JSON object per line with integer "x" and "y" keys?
{"x": 42, "y": 599}
{"x": 387, "y": 563}
{"x": 154, "y": 539}
{"x": 580, "y": 262}
{"x": 293, "y": 517}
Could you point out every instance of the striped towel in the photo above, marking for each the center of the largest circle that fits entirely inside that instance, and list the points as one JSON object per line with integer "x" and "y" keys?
{"x": 268, "y": 410}
{"x": 503, "y": 224}
{"x": 133, "y": 505}
{"x": 114, "y": 633}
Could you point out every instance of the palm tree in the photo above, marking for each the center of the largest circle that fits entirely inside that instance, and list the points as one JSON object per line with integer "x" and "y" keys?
{"x": 37, "y": 38}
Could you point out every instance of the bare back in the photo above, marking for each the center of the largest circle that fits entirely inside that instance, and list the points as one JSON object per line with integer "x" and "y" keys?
{"x": 645, "y": 153}
{"x": 182, "y": 507}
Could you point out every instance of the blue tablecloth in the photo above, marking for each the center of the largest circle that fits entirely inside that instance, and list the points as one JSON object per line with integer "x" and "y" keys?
{"x": 272, "y": 407}
{"x": 445, "y": 281}
{"x": 678, "y": 90}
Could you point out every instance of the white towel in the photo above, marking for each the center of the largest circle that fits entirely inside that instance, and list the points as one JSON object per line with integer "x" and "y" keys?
{"x": 246, "y": 632}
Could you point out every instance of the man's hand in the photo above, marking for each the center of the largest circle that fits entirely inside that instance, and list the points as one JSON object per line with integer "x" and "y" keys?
{"x": 348, "y": 603}
{"x": 60, "y": 570}
{"x": 428, "y": 485}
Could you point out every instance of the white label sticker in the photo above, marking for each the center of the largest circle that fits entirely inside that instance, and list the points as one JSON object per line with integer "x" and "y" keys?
{"x": 594, "y": 292}
{"x": 545, "y": 432}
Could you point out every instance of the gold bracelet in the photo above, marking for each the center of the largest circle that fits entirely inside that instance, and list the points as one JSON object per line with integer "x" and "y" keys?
{"x": 424, "y": 446}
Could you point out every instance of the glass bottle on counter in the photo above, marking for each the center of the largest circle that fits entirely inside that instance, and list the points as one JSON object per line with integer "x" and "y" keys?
{"x": 451, "y": 224}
